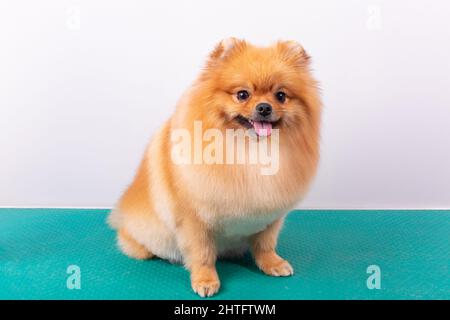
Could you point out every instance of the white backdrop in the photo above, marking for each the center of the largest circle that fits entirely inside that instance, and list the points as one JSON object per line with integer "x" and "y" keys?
{"x": 84, "y": 84}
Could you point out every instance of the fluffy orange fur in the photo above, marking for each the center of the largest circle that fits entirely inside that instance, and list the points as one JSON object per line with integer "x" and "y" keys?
{"x": 191, "y": 213}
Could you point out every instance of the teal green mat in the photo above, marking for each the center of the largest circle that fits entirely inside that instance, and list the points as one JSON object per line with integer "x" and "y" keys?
{"x": 330, "y": 251}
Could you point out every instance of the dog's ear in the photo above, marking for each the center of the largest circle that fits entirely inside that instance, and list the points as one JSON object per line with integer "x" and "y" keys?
{"x": 295, "y": 50}
{"x": 226, "y": 47}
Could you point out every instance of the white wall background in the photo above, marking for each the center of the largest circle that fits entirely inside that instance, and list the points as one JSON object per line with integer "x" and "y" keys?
{"x": 84, "y": 84}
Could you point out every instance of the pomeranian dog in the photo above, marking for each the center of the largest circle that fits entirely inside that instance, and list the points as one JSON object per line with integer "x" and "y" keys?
{"x": 193, "y": 210}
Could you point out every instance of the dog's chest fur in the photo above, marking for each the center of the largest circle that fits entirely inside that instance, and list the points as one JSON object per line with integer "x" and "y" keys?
{"x": 232, "y": 232}
{"x": 246, "y": 226}
{"x": 238, "y": 224}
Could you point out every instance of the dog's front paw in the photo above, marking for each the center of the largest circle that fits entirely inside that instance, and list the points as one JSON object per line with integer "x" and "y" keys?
{"x": 205, "y": 282}
{"x": 273, "y": 265}
{"x": 206, "y": 288}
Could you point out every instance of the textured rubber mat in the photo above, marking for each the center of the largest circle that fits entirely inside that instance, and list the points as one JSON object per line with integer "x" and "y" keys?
{"x": 331, "y": 252}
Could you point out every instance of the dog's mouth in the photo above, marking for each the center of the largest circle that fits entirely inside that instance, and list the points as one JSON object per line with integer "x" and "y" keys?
{"x": 263, "y": 128}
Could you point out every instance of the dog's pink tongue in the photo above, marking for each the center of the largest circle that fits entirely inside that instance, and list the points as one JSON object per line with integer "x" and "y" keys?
{"x": 262, "y": 129}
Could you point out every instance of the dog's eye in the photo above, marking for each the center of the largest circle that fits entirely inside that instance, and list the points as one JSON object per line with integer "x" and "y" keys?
{"x": 242, "y": 95}
{"x": 280, "y": 96}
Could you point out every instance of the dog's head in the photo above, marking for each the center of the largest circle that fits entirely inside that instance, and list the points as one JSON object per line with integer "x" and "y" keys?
{"x": 259, "y": 88}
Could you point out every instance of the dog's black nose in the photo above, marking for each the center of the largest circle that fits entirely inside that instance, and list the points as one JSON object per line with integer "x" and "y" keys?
{"x": 264, "y": 109}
